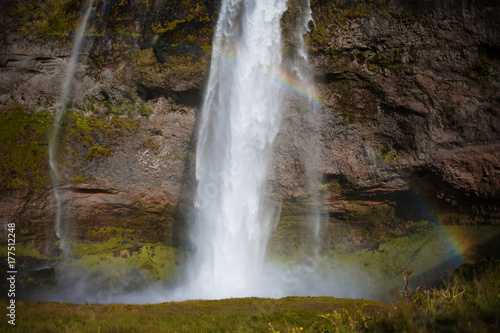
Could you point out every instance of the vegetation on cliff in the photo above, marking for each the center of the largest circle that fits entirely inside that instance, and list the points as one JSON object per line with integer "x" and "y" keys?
{"x": 84, "y": 140}
{"x": 24, "y": 148}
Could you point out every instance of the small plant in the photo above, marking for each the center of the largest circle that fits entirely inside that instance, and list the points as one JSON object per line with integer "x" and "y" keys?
{"x": 387, "y": 156}
{"x": 406, "y": 272}
{"x": 151, "y": 144}
{"x": 80, "y": 179}
{"x": 97, "y": 152}
{"x": 345, "y": 321}
{"x": 90, "y": 105}
{"x": 49, "y": 102}
{"x": 109, "y": 107}
{"x": 144, "y": 110}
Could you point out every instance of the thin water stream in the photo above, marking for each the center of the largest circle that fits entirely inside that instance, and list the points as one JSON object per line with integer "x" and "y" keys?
{"x": 61, "y": 231}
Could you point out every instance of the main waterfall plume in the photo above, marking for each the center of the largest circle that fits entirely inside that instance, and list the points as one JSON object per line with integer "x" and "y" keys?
{"x": 240, "y": 119}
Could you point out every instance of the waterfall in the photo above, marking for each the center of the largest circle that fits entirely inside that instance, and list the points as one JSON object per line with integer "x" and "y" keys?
{"x": 61, "y": 233}
{"x": 240, "y": 118}
{"x": 314, "y": 122}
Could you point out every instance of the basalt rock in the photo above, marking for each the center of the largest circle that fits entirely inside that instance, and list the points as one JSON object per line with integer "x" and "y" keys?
{"x": 419, "y": 89}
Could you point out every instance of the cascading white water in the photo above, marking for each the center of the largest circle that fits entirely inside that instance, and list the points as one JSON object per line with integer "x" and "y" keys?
{"x": 241, "y": 116}
{"x": 65, "y": 93}
{"x": 314, "y": 120}
{"x": 240, "y": 119}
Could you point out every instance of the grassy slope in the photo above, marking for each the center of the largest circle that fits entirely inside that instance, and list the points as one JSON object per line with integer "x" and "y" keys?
{"x": 229, "y": 315}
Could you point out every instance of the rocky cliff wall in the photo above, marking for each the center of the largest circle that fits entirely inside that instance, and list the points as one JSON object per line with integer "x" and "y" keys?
{"x": 407, "y": 115}
{"x": 418, "y": 83}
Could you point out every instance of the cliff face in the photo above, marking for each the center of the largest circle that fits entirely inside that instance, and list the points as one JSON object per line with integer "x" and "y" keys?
{"x": 410, "y": 102}
{"x": 419, "y": 86}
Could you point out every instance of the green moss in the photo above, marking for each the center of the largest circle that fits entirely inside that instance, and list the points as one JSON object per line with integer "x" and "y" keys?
{"x": 118, "y": 256}
{"x": 181, "y": 48}
{"x": 478, "y": 76}
{"x": 144, "y": 110}
{"x": 47, "y": 18}
{"x": 24, "y": 148}
{"x": 142, "y": 223}
{"x": 373, "y": 67}
{"x": 174, "y": 67}
{"x": 83, "y": 139}
{"x": 337, "y": 184}
{"x": 184, "y": 155}
{"x": 98, "y": 151}
{"x": 170, "y": 25}
{"x": 151, "y": 144}
{"x": 146, "y": 58}
{"x": 376, "y": 222}
{"x": 387, "y": 156}
{"x": 332, "y": 186}
{"x": 112, "y": 244}
{"x": 332, "y": 16}
{"x": 79, "y": 179}
{"x": 357, "y": 100}
{"x": 26, "y": 251}
{"x": 395, "y": 59}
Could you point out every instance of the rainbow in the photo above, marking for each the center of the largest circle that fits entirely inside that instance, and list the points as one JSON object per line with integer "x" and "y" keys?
{"x": 291, "y": 83}
{"x": 459, "y": 244}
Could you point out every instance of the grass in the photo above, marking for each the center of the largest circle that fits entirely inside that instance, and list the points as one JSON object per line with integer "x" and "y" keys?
{"x": 229, "y": 315}
{"x": 467, "y": 301}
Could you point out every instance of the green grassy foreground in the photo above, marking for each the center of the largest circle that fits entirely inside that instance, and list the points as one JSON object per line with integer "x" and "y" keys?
{"x": 229, "y": 315}
{"x": 467, "y": 301}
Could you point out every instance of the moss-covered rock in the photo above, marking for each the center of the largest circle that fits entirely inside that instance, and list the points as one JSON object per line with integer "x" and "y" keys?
{"x": 84, "y": 139}
{"x": 24, "y": 148}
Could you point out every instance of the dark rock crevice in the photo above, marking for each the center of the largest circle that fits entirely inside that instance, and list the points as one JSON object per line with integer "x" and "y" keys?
{"x": 191, "y": 97}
